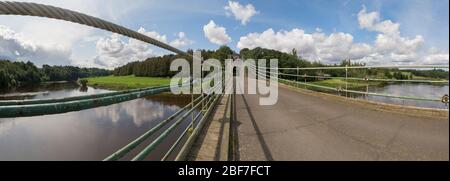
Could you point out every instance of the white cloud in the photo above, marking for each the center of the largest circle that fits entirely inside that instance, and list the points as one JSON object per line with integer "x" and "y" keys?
{"x": 54, "y": 41}
{"x": 153, "y": 34}
{"x": 181, "y": 41}
{"x": 240, "y": 12}
{"x": 360, "y": 50}
{"x": 316, "y": 46}
{"x": 216, "y": 34}
{"x": 137, "y": 109}
{"x": 371, "y": 21}
{"x": 112, "y": 51}
{"x": 14, "y": 46}
{"x": 389, "y": 47}
{"x": 435, "y": 57}
{"x": 389, "y": 42}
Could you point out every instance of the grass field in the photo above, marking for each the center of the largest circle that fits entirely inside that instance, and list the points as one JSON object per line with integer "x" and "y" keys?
{"x": 126, "y": 82}
{"x": 339, "y": 82}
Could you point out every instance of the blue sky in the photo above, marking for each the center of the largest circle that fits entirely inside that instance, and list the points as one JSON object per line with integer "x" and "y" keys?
{"x": 422, "y": 36}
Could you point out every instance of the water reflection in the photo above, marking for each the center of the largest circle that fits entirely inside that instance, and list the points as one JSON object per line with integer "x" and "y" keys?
{"x": 90, "y": 134}
{"x": 51, "y": 90}
{"x": 411, "y": 90}
{"x": 140, "y": 111}
{"x": 84, "y": 135}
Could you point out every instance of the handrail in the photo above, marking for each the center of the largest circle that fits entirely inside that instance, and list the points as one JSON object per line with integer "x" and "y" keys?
{"x": 357, "y": 78}
{"x": 363, "y": 67}
{"x": 130, "y": 146}
{"x": 175, "y": 144}
{"x": 353, "y": 91}
{"x": 367, "y": 79}
{"x": 149, "y": 148}
{"x": 127, "y": 148}
{"x": 189, "y": 142}
{"x": 63, "y": 107}
{"x": 74, "y": 98}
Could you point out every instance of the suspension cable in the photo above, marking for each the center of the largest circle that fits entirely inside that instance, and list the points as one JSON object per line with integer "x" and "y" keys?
{"x": 41, "y": 10}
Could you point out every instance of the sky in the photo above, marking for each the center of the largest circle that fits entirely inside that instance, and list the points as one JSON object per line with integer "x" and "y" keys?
{"x": 376, "y": 32}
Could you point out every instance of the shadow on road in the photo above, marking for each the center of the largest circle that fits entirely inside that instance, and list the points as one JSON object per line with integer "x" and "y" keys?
{"x": 262, "y": 142}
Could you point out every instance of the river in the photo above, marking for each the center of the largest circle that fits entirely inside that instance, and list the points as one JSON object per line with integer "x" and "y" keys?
{"x": 91, "y": 134}
{"x": 411, "y": 90}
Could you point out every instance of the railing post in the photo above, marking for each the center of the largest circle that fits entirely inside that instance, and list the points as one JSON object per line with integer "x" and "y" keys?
{"x": 346, "y": 80}
{"x": 367, "y": 85}
{"x": 305, "y": 80}
{"x": 297, "y": 77}
{"x": 201, "y": 85}
{"x": 192, "y": 100}
{"x": 367, "y": 91}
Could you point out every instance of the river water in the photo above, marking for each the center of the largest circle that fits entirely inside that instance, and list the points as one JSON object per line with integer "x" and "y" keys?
{"x": 91, "y": 134}
{"x": 411, "y": 90}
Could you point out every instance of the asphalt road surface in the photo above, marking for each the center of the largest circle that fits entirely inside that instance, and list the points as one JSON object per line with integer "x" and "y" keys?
{"x": 305, "y": 127}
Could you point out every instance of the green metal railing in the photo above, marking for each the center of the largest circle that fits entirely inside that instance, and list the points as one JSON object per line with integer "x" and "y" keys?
{"x": 365, "y": 79}
{"x": 206, "y": 103}
{"x": 36, "y": 107}
{"x": 74, "y": 98}
{"x": 77, "y": 105}
{"x": 262, "y": 71}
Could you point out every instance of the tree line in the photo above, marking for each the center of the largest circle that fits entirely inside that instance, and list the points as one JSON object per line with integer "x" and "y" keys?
{"x": 17, "y": 73}
{"x": 159, "y": 66}
{"x": 292, "y": 60}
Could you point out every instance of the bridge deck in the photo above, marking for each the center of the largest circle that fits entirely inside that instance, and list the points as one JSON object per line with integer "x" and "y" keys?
{"x": 305, "y": 127}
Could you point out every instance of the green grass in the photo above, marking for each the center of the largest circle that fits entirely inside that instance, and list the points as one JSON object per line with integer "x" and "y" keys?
{"x": 339, "y": 82}
{"x": 126, "y": 82}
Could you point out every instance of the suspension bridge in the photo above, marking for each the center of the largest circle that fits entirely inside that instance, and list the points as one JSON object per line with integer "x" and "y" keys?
{"x": 302, "y": 125}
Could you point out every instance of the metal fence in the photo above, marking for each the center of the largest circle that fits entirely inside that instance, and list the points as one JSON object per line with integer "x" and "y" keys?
{"x": 295, "y": 79}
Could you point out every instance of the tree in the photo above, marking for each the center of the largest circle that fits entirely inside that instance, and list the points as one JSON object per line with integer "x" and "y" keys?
{"x": 223, "y": 53}
{"x": 294, "y": 52}
{"x": 14, "y": 74}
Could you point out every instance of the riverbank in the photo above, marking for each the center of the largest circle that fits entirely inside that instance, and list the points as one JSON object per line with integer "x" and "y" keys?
{"x": 351, "y": 84}
{"x": 126, "y": 82}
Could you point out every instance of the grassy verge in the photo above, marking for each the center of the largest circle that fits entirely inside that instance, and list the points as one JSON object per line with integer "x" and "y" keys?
{"x": 351, "y": 84}
{"x": 126, "y": 82}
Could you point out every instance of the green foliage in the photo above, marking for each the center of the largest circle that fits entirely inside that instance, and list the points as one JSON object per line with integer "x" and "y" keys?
{"x": 335, "y": 83}
{"x": 435, "y": 73}
{"x": 70, "y": 73}
{"x": 160, "y": 66}
{"x": 13, "y": 74}
{"x": 400, "y": 76}
{"x": 126, "y": 82}
{"x": 223, "y": 53}
{"x": 284, "y": 59}
{"x": 151, "y": 67}
{"x": 83, "y": 82}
